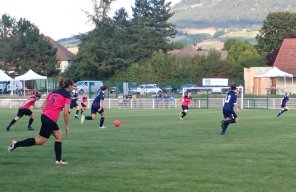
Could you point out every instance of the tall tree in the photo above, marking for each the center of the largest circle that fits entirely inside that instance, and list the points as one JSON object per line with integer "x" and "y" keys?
{"x": 96, "y": 58}
{"x": 24, "y": 48}
{"x": 275, "y": 27}
{"x": 151, "y": 28}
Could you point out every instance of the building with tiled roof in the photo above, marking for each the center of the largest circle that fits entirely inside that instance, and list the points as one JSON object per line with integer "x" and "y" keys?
{"x": 285, "y": 61}
{"x": 286, "y": 58}
{"x": 64, "y": 56}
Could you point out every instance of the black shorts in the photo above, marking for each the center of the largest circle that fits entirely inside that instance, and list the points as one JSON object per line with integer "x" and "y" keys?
{"x": 47, "y": 126}
{"x": 184, "y": 107}
{"x": 73, "y": 104}
{"x": 229, "y": 113}
{"x": 95, "y": 110}
{"x": 83, "y": 105}
{"x": 23, "y": 111}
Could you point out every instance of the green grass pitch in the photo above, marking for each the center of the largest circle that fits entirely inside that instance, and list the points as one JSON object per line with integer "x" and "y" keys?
{"x": 154, "y": 150}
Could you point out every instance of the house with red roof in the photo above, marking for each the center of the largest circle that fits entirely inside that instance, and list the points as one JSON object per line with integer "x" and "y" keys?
{"x": 257, "y": 83}
{"x": 286, "y": 58}
{"x": 64, "y": 56}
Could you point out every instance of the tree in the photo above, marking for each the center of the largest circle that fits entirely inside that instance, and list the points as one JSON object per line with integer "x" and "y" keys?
{"x": 116, "y": 43}
{"x": 24, "y": 48}
{"x": 275, "y": 27}
{"x": 241, "y": 51}
{"x": 151, "y": 28}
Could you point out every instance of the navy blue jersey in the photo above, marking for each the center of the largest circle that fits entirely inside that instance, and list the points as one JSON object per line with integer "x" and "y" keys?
{"x": 285, "y": 100}
{"x": 74, "y": 96}
{"x": 230, "y": 100}
{"x": 99, "y": 97}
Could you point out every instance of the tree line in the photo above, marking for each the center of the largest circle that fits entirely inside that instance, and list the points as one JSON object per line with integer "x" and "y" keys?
{"x": 124, "y": 48}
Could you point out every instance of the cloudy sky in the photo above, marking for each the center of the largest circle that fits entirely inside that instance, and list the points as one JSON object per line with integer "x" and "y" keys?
{"x": 58, "y": 18}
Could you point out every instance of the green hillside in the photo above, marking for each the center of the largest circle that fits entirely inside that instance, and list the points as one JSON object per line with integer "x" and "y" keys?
{"x": 216, "y": 20}
{"x": 226, "y": 13}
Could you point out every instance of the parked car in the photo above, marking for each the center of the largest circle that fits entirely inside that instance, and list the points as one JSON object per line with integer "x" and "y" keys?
{"x": 187, "y": 87}
{"x": 84, "y": 86}
{"x": 146, "y": 89}
{"x": 112, "y": 89}
{"x": 167, "y": 89}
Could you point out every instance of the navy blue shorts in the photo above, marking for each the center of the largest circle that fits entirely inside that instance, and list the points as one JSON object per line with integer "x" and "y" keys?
{"x": 23, "y": 111}
{"x": 229, "y": 113}
{"x": 185, "y": 108}
{"x": 73, "y": 104}
{"x": 95, "y": 109}
{"x": 47, "y": 126}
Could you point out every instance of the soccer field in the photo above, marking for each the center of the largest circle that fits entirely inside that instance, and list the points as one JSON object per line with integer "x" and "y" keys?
{"x": 154, "y": 150}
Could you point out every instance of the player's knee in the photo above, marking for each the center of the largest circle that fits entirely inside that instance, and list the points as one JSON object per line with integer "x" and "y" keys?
{"x": 40, "y": 140}
{"x": 236, "y": 120}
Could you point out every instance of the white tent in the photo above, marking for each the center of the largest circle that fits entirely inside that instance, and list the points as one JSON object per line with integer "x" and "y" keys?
{"x": 4, "y": 77}
{"x": 275, "y": 72}
{"x": 31, "y": 75}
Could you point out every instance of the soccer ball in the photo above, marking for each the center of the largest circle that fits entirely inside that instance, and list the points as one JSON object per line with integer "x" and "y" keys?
{"x": 117, "y": 123}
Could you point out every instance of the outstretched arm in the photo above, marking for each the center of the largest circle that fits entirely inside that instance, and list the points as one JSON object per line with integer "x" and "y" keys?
{"x": 66, "y": 118}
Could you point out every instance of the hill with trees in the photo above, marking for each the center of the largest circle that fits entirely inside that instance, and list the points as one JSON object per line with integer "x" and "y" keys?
{"x": 226, "y": 13}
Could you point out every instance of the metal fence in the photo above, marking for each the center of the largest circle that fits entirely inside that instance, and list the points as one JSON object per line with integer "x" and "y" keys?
{"x": 153, "y": 103}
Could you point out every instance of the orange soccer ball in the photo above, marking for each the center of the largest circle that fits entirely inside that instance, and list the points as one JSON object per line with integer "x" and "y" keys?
{"x": 117, "y": 123}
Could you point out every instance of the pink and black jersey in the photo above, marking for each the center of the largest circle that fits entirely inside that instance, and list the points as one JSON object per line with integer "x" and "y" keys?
{"x": 84, "y": 100}
{"x": 55, "y": 103}
{"x": 186, "y": 101}
{"x": 28, "y": 103}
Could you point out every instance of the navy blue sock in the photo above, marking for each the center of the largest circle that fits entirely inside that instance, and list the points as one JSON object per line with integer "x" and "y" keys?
{"x": 12, "y": 122}
{"x": 88, "y": 118}
{"x": 30, "y": 122}
{"x": 102, "y": 121}
{"x": 58, "y": 150}
{"x": 25, "y": 143}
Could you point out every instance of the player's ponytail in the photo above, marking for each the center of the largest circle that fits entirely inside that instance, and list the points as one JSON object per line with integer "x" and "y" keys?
{"x": 232, "y": 86}
{"x": 61, "y": 83}
{"x": 37, "y": 94}
{"x": 65, "y": 83}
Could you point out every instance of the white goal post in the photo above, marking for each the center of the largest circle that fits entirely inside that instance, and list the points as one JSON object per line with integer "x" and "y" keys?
{"x": 216, "y": 89}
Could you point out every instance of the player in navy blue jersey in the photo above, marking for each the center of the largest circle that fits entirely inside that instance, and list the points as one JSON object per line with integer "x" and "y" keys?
{"x": 73, "y": 104}
{"x": 97, "y": 107}
{"x": 228, "y": 108}
{"x": 284, "y": 101}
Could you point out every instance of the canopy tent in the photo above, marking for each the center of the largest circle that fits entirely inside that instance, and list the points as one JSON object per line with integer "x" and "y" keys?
{"x": 276, "y": 72}
{"x": 31, "y": 75}
{"x": 4, "y": 77}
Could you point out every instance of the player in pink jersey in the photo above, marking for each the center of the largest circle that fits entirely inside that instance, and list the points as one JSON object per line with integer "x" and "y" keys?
{"x": 83, "y": 103}
{"x": 24, "y": 109}
{"x": 55, "y": 102}
{"x": 186, "y": 100}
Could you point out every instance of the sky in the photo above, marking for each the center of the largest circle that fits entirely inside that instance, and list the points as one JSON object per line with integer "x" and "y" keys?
{"x": 59, "y": 18}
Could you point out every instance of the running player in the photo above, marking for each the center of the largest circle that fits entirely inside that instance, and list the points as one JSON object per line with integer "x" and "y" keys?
{"x": 55, "y": 102}
{"x": 228, "y": 111}
{"x": 74, "y": 98}
{"x": 83, "y": 103}
{"x": 284, "y": 107}
{"x": 24, "y": 109}
{"x": 186, "y": 101}
{"x": 97, "y": 107}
